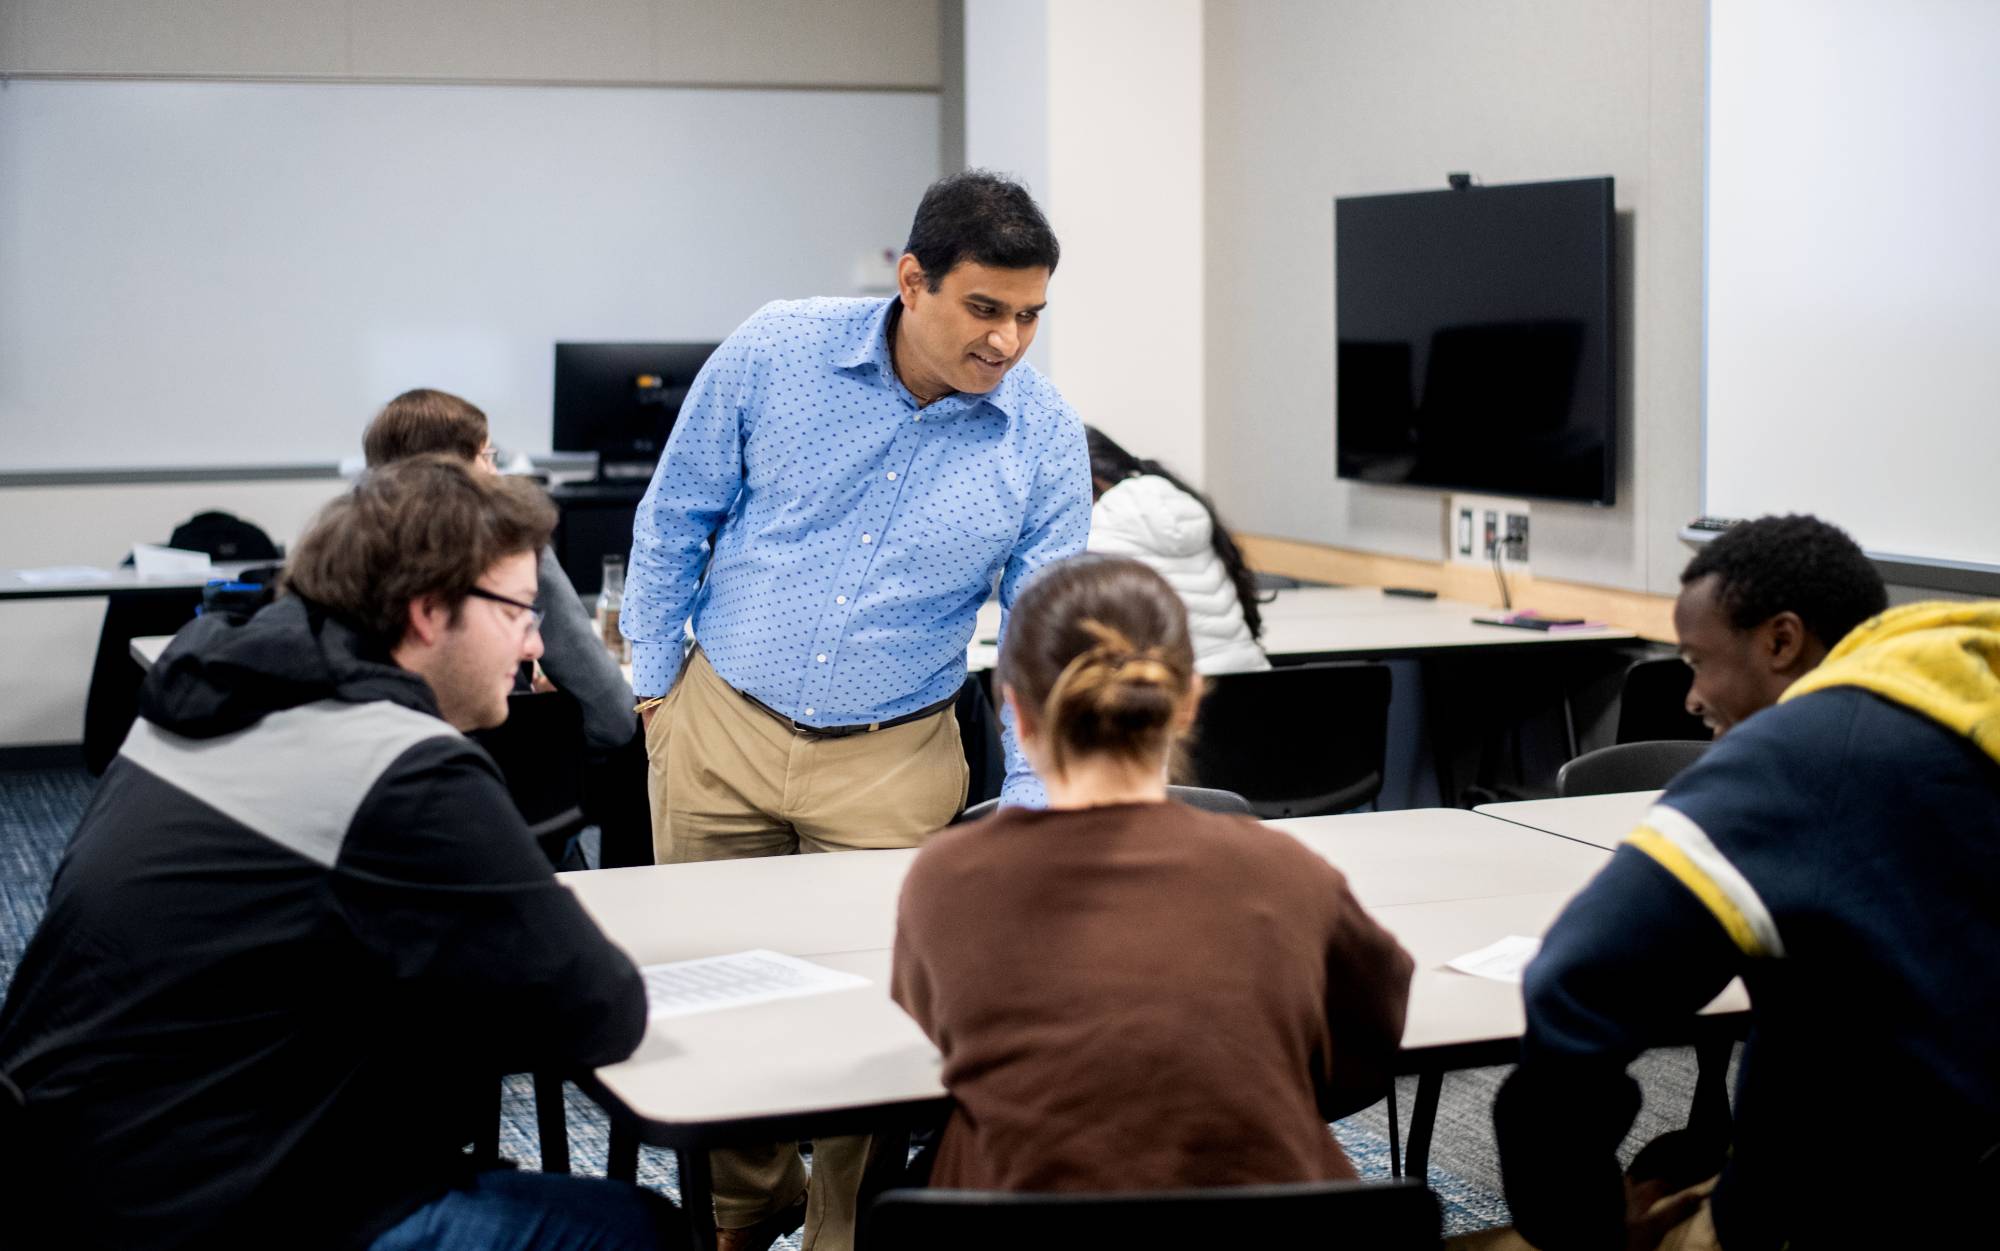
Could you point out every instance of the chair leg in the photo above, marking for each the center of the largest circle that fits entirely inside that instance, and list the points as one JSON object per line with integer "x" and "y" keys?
{"x": 1395, "y": 1134}
{"x": 551, "y": 1126}
{"x": 1423, "y": 1119}
{"x": 486, "y": 1144}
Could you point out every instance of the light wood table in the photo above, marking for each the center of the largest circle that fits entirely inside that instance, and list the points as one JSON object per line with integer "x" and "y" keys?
{"x": 1599, "y": 820}
{"x": 1444, "y": 881}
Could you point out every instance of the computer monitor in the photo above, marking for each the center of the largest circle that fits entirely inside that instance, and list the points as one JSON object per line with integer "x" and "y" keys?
{"x": 620, "y": 400}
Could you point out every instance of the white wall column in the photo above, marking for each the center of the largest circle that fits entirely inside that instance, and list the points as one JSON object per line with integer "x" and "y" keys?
{"x": 1098, "y": 108}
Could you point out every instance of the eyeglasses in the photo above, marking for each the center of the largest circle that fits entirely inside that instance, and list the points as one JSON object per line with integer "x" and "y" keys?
{"x": 491, "y": 455}
{"x": 534, "y": 611}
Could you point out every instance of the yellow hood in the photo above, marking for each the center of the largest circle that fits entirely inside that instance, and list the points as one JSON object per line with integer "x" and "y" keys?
{"x": 1939, "y": 659}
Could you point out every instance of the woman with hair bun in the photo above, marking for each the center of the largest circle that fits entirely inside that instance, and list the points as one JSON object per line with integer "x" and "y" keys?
{"x": 1131, "y": 994}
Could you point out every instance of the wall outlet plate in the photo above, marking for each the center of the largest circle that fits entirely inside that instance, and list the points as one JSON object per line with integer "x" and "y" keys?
{"x": 1473, "y": 523}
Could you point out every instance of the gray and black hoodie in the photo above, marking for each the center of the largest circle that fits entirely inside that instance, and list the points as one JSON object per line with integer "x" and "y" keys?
{"x": 299, "y": 929}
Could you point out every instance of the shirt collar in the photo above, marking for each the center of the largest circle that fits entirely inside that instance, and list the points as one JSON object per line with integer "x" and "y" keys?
{"x": 871, "y": 347}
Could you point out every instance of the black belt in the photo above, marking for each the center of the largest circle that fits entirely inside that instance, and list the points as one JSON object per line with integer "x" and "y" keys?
{"x": 846, "y": 731}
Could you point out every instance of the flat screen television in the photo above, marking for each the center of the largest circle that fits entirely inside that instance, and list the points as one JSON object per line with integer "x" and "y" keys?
{"x": 620, "y": 400}
{"x": 1475, "y": 340}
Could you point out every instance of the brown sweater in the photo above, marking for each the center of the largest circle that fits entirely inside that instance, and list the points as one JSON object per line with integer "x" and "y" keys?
{"x": 1143, "y": 996}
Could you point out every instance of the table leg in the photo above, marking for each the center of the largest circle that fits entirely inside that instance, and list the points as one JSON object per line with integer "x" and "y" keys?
{"x": 1423, "y": 1118}
{"x": 621, "y": 1156}
{"x": 698, "y": 1195}
{"x": 1709, "y": 1115}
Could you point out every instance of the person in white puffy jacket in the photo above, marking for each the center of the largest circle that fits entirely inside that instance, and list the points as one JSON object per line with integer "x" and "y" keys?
{"x": 1145, "y": 512}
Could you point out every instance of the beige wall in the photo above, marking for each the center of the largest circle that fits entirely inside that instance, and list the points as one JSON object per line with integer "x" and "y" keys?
{"x": 859, "y": 43}
{"x": 1312, "y": 100}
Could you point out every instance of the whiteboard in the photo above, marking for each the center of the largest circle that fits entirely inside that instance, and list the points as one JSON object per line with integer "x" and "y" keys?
{"x": 197, "y": 274}
{"x": 1853, "y": 285}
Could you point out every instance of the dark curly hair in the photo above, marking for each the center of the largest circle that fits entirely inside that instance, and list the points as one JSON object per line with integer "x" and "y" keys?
{"x": 1794, "y": 563}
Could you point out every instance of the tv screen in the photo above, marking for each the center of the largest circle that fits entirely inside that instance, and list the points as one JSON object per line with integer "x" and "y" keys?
{"x": 1475, "y": 339}
{"x": 620, "y": 400}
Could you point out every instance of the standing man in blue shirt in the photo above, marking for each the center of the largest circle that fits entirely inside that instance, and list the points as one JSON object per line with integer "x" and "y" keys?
{"x": 846, "y": 481}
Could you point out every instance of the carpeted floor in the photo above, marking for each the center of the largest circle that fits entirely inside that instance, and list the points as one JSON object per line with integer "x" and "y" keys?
{"x": 39, "y": 808}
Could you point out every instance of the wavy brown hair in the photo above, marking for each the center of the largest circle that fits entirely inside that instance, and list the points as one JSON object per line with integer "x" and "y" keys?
{"x": 1097, "y": 651}
{"x": 427, "y": 525}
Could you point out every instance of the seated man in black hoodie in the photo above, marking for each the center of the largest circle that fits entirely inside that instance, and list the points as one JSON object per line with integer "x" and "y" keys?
{"x": 1839, "y": 850}
{"x": 301, "y": 926}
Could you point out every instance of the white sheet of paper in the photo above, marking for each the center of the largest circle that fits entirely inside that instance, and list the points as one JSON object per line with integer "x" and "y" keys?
{"x": 686, "y": 987}
{"x": 1502, "y": 961}
{"x": 152, "y": 561}
{"x": 63, "y": 573}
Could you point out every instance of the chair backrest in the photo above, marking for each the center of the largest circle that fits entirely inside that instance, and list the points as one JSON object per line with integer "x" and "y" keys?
{"x": 1206, "y": 798}
{"x": 1627, "y": 767}
{"x": 1365, "y": 1216}
{"x": 1296, "y": 741}
{"x": 1652, "y": 704}
{"x": 540, "y": 751}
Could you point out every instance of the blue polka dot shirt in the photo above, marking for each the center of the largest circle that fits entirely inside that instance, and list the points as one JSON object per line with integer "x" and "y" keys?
{"x": 831, "y": 541}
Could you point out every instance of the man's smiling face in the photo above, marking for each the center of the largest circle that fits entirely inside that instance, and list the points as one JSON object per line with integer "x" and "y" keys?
{"x": 968, "y": 333}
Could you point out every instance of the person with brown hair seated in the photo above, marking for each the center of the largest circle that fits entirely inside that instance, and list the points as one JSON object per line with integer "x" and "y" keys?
{"x": 425, "y": 421}
{"x": 1131, "y": 994}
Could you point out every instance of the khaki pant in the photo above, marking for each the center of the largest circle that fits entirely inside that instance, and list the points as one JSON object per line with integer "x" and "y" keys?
{"x": 730, "y": 781}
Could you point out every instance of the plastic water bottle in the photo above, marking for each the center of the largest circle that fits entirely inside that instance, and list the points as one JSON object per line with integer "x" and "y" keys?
{"x": 610, "y": 598}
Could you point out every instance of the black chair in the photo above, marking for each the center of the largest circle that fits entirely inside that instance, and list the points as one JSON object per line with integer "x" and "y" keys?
{"x": 541, "y": 754}
{"x": 1205, "y": 798}
{"x": 1652, "y": 703}
{"x": 540, "y": 751}
{"x": 979, "y": 735}
{"x": 1365, "y": 1216}
{"x": 1627, "y": 767}
{"x": 1296, "y": 741}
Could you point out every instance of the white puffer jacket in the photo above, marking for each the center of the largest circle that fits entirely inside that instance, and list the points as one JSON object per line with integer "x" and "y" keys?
{"x": 1150, "y": 519}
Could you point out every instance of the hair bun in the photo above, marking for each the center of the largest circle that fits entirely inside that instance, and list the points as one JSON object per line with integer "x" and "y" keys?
{"x": 1113, "y": 695}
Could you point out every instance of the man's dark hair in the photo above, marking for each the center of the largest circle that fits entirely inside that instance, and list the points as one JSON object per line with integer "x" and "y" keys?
{"x": 982, "y": 217}
{"x": 1795, "y": 564}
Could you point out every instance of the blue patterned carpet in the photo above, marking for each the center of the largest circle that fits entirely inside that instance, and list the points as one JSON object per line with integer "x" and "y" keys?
{"x": 39, "y": 808}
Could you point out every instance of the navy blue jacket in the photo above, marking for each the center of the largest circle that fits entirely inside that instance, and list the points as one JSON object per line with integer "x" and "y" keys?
{"x": 1841, "y": 854}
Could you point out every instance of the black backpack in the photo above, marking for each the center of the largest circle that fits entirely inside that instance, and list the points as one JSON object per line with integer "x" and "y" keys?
{"x": 224, "y": 536}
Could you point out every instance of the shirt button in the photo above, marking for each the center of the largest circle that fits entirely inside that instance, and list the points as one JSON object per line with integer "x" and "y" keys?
{"x": 892, "y": 475}
{"x": 867, "y": 538}
{"x": 821, "y": 657}
{"x": 809, "y": 712}
{"x": 840, "y": 599}
{"x": 920, "y": 416}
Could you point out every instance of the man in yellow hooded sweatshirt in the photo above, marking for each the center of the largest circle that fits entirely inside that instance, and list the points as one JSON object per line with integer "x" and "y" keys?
{"x": 1840, "y": 852}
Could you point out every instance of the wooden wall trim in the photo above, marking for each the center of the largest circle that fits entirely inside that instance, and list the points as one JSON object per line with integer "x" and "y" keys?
{"x": 1649, "y": 616}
